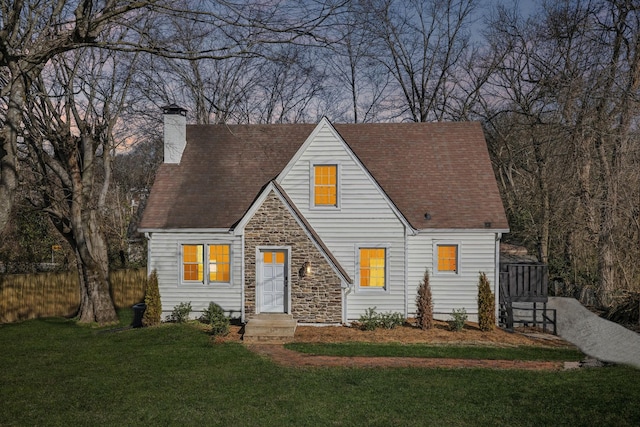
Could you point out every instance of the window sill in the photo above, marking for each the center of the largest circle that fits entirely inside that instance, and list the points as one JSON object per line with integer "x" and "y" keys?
{"x": 205, "y": 285}
{"x": 360, "y": 290}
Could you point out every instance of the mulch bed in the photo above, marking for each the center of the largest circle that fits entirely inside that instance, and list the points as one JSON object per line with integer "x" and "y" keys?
{"x": 409, "y": 334}
{"x": 290, "y": 358}
{"x": 406, "y": 334}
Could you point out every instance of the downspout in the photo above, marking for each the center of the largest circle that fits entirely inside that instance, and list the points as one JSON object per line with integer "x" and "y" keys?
{"x": 242, "y": 313}
{"x": 148, "y": 237}
{"x": 406, "y": 273}
{"x": 496, "y": 279}
{"x": 346, "y": 290}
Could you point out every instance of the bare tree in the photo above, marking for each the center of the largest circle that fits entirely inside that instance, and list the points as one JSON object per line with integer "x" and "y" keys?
{"x": 69, "y": 140}
{"x": 354, "y": 68}
{"x": 31, "y": 34}
{"x": 67, "y": 121}
{"x": 422, "y": 44}
{"x": 603, "y": 106}
{"x": 570, "y": 84}
{"x": 284, "y": 87}
{"x": 244, "y": 61}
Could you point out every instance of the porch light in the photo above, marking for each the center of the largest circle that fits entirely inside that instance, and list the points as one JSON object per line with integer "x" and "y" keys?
{"x": 305, "y": 270}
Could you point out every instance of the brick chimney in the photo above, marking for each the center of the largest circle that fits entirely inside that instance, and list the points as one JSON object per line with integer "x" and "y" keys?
{"x": 175, "y": 132}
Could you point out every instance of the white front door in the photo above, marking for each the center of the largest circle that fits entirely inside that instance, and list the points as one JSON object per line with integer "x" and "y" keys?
{"x": 274, "y": 281}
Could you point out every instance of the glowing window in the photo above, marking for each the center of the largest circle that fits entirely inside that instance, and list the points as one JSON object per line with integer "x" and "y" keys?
{"x": 192, "y": 263}
{"x": 372, "y": 267}
{"x": 219, "y": 262}
{"x": 325, "y": 185}
{"x": 448, "y": 258}
{"x": 269, "y": 257}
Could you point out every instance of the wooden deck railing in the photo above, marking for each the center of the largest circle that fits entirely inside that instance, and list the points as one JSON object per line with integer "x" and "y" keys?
{"x": 525, "y": 283}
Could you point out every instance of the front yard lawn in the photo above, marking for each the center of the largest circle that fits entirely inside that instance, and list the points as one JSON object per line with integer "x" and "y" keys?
{"x": 57, "y": 373}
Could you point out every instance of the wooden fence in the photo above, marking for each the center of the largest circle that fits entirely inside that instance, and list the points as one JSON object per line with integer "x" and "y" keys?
{"x": 28, "y": 296}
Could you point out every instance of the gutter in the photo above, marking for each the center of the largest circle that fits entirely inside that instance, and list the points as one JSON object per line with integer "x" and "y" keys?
{"x": 148, "y": 237}
{"x": 496, "y": 278}
{"x": 242, "y": 313}
{"x": 406, "y": 274}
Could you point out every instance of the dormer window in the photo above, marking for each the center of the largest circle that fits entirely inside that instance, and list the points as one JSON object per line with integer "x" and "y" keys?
{"x": 325, "y": 185}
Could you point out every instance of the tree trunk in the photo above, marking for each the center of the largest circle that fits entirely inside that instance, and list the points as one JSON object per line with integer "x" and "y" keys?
{"x": 96, "y": 304}
{"x": 545, "y": 208}
{"x": 85, "y": 311}
{"x": 8, "y": 149}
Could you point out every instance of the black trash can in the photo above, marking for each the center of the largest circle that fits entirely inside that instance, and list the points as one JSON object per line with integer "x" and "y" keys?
{"x": 138, "y": 312}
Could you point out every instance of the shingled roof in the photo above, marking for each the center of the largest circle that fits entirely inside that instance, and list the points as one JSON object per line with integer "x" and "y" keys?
{"x": 438, "y": 168}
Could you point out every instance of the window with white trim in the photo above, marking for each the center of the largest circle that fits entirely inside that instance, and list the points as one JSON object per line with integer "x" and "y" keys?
{"x": 217, "y": 269}
{"x": 325, "y": 190}
{"x": 447, "y": 258}
{"x": 219, "y": 263}
{"x": 373, "y": 268}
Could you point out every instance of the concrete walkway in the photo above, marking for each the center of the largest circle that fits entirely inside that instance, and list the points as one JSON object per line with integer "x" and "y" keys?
{"x": 593, "y": 335}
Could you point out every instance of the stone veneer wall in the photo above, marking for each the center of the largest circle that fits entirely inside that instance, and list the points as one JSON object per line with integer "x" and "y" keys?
{"x": 314, "y": 299}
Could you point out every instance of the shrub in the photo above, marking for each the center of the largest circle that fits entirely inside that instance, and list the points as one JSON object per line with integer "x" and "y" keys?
{"x": 458, "y": 318}
{"x": 390, "y": 320}
{"x": 180, "y": 313}
{"x": 369, "y": 320}
{"x": 486, "y": 305}
{"x": 424, "y": 302}
{"x": 372, "y": 320}
{"x": 214, "y": 316}
{"x": 153, "y": 312}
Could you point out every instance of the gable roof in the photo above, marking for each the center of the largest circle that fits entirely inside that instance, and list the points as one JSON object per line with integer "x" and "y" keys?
{"x": 438, "y": 168}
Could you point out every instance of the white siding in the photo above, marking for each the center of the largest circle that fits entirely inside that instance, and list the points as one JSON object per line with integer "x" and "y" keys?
{"x": 364, "y": 217}
{"x": 452, "y": 291}
{"x": 166, "y": 260}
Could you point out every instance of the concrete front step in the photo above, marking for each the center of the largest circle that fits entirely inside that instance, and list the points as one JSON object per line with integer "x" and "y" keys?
{"x": 270, "y": 328}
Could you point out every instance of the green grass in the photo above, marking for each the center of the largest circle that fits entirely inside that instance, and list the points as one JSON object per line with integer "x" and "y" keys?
{"x": 439, "y": 351}
{"x": 57, "y": 373}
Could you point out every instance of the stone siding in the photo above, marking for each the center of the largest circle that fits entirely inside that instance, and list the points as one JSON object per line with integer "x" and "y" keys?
{"x": 316, "y": 298}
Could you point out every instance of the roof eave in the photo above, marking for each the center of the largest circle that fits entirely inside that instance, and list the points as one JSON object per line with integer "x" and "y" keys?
{"x": 462, "y": 230}
{"x": 185, "y": 230}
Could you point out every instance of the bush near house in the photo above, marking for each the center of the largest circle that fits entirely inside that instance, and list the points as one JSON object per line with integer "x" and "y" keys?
{"x": 372, "y": 320}
{"x": 153, "y": 312}
{"x": 424, "y": 302}
{"x": 180, "y": 313}
{"x": 458, "y": 319}
{"x": 486, "y": 305}
{"x": 214, "y": 316}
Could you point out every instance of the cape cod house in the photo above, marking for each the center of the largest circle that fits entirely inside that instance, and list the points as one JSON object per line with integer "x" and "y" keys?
{"x": 322, "y": 221}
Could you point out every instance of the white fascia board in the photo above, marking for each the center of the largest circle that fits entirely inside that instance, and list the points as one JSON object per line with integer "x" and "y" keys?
{"x": 186, "y": 230}
{"x": 323, "y": 122}
{"x": 462, "y": 230}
